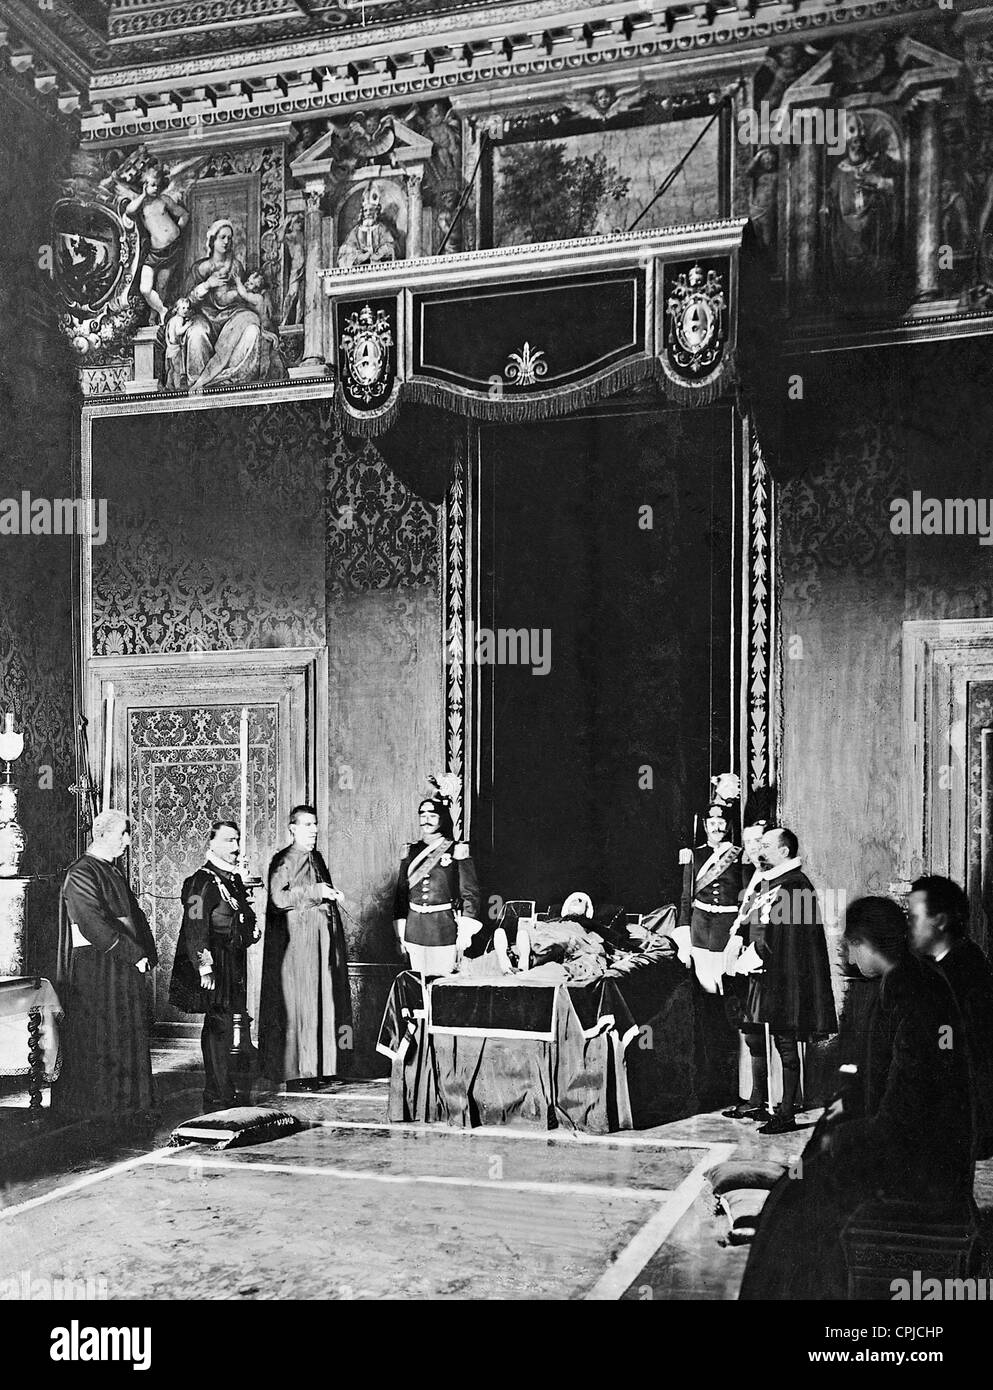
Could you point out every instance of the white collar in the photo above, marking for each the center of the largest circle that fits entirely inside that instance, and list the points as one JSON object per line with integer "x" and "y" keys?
{"x": 942, "y": 956}
{"x": 786, "y": 867}
{"x": 224, "y": 867}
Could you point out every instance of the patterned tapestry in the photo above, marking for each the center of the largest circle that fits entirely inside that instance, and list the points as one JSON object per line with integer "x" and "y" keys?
{"x": 836, "y": 517}
{"x": 243, "y": 518}
{"x": 184, "y": 773}
{"x": 380, "y": 535}
{"x": 221, "y": 545}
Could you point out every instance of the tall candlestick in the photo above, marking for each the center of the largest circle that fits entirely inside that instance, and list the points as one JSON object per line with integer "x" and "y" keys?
{"x": 108, "y": 746}
{"x": 243, "y": 742}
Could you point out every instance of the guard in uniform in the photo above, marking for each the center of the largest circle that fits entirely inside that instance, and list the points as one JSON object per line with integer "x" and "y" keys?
{"x": 437, "y": 896}
{"x": 712, "y": 883}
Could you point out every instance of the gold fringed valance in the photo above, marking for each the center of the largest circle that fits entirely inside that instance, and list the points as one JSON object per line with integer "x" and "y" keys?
{"x": 530, "y": 333}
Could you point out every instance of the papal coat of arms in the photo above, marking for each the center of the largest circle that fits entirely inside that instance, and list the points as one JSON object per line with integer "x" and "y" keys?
{"x": 696, "y": 310}
{"x": 366, "y": 340}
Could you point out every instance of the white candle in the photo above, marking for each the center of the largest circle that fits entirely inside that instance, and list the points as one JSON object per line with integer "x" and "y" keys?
{"x": 108, "y": 745}
{"x": 243, "y": 741}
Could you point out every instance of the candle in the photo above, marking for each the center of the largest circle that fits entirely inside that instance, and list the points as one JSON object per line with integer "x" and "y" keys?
{"x": 243, "y": 748}
{"x": 108, "y": 745}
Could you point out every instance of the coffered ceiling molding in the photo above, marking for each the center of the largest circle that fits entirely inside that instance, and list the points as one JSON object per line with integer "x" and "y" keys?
{"x": 170, "y": 67}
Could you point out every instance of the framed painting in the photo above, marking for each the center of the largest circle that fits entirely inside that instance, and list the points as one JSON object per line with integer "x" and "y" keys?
{"x": 596, "y": 164}
{"x": 235, "y": 197}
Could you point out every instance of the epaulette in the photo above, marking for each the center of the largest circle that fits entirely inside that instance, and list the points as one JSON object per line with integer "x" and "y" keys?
{"x": 461, "y": 850}
{"x": 407, "y": 848}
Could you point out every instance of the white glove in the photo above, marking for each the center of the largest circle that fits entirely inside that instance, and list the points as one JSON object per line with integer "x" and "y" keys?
{"x": 681, "y": 938}
{"x": 731, "y": 953}
{"x": 749, "y": 961}
{"x": 467, "y": 929}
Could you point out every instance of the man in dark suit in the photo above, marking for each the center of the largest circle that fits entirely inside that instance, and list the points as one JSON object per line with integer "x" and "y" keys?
{"x": 789, "y": 972}
{"x": 939, "y": 930}
{"x": 210, "y": 972}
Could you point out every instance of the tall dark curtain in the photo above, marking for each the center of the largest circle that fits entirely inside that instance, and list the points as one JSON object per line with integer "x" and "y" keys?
{"x": 591, "y": 773}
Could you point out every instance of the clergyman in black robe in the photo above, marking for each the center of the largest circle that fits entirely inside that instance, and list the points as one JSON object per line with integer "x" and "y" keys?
{"x": 901, "y": 1131}
{"x": 106, "y": 949}
{"x": 939, "y": 931}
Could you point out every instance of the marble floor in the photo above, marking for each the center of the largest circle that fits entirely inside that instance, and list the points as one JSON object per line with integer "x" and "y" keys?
{"x": 352, "y": 1207}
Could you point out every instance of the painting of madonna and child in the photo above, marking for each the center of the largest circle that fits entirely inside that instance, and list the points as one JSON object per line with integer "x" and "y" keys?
{"x": 222, "y": 330}
{"x": 600, "y": 181}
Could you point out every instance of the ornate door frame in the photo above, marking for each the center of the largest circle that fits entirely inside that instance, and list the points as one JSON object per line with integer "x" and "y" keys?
{"x": 294, "y": 679}
{"x": 942, "y": 658}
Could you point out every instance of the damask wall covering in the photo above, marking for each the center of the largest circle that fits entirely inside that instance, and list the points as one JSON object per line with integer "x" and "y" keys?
{"x": 254, "y": 527}
{"x": 385, "y": 695}
{"x": 214, "y": 531}
{"x": 895, "y": 423}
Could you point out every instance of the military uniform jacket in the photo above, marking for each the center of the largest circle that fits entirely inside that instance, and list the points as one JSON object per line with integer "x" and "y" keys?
{"x": 435, "y": 885}
{"x": 712, "y": 878}
{"x": 218, "y": 925}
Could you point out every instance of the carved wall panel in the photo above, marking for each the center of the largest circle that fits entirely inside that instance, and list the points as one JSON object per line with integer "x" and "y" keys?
{"x": 979, "y": 806}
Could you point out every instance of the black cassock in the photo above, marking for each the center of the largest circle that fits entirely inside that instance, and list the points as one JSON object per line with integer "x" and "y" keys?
{"x": 907, "y": 1136}
{"x": 970, "y": 975}
{"x": 106, "y": 1062}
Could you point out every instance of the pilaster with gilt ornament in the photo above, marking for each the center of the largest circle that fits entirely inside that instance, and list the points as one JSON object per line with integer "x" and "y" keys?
{"x": 454, "y": 619}
{"x": 760, "y": 599}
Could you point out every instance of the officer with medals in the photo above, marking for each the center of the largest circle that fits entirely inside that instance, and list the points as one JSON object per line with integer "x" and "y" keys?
{"x": 210, "y": 972}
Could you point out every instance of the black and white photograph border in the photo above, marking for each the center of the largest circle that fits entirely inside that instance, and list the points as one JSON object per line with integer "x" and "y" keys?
{"x": 496, "y": 662}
